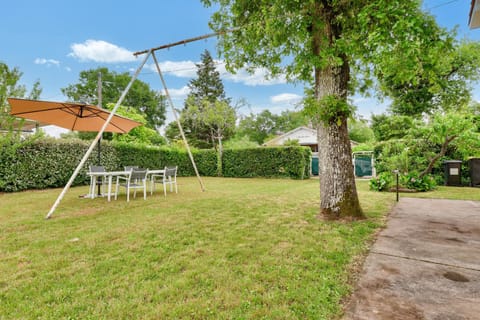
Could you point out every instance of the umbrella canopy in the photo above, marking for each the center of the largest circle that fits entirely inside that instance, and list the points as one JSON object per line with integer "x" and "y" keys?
{"x": 70, "y": 115}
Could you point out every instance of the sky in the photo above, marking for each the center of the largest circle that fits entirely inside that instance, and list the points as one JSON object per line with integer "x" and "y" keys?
{"x": 52, "y": 41}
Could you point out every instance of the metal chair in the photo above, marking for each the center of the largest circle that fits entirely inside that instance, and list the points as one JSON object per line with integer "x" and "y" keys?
{"x": 170, "y": 178}
{"x": 136, "y": 179}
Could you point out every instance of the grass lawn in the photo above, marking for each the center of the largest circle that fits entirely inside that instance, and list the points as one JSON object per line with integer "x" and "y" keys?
{"x": 244, "y": 249}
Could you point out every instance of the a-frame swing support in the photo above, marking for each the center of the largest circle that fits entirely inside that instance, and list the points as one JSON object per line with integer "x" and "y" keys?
{"x": 120, "y": 100}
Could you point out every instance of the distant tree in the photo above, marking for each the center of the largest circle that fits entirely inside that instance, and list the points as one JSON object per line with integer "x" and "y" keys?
{"x": 208, "y": 84}
{"x": 10, "y": 88}
{"x": 240, "y": 142}
{"x": 141, "y": 134}
{"x": 289, "y": 120}
{"x": 359, "y": 131}
{"x": 206, "y": 87}
{"x": 140, "y": 96}
{"x": 258, "y": 127}
{"x": 386, "y": 127}
{"x": 218, "y": 117}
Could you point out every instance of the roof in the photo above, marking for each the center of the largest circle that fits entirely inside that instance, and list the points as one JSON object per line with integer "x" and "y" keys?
{"x": 304, "y": 135}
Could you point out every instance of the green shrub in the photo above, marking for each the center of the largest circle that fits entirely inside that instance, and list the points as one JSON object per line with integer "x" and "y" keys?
{"x": 381, "y": 182}
{"x": 49, "y": 163}
{"x": 426, "y": 183}
{"x": 293, "y": 162}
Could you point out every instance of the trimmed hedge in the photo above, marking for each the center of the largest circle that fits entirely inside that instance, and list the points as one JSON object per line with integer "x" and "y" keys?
{"x": 49, "y": 163}
{"x": 293, "y": 162}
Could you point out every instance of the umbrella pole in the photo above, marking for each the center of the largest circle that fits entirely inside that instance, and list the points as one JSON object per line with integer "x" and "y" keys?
{"x": 97, "y": 138}
{"x": 99, "y": 187}
{"x": 99, "y": 93}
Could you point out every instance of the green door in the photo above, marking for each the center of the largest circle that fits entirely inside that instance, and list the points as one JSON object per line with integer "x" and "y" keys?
{"x": 315, "y": 166}
{"x": 363, "y": 166}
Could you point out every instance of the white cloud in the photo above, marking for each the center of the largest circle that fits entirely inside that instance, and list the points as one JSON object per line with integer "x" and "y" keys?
{"x": 286, "y": 98}
{"x": 178, "y": 93}
{"x": 100, "y": 51}
{"x": 188, "y": 69}
{"x": 180, "y": 69}
{"x": 259, "y": 77}
{"x": 48, "y": 62}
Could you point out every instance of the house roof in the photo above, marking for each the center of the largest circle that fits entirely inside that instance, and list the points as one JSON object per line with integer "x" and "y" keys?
{"x": 304, "y": 135}
{"x": 474, "y": 15}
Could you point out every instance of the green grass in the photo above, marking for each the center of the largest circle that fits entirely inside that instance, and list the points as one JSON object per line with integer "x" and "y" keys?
{"x": 442, "y": 192}
{"x": 244, "y": 249}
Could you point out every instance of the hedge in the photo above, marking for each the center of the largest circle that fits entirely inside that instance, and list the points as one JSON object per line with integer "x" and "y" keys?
{"x": 49, "y": 163}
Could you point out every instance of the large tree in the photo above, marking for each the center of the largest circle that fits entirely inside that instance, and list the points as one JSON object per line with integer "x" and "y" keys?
{"x": 318, "y": 42}
{"x": 140, "y": 96}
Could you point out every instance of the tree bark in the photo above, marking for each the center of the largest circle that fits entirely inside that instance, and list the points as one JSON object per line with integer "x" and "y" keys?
{"x": 220, "y": 157}
{"x": 338, "y": 192}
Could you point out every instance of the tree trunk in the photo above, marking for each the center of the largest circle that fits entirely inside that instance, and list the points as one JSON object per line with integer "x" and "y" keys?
{"x": 443, "y": 150}
{"x": 220, "y": 157}
{"x": 338, "y": 192}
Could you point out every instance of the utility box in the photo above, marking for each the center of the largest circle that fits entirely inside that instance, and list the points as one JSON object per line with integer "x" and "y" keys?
{"x": 474, "y": 168}
{"x": 453, "y": 172}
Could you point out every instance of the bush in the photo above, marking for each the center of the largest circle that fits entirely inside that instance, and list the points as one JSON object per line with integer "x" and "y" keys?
{"x": 381, "y": 182}
{"x": 49, "y": 163}
{"x": 413, "y": 182}
{"x": 293, "y": 162}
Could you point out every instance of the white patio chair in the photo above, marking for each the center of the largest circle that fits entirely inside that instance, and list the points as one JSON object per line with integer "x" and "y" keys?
{"x": 170, "y": 178}
{"x": 136, "y": 179}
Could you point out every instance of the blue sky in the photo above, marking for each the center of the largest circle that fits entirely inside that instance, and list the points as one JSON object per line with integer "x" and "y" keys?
{"x": 52, "y": 41}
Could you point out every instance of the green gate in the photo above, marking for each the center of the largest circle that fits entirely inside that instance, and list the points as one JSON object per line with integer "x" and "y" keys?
{"x": 363, "y": 165}
{"x": 315, "y": 166}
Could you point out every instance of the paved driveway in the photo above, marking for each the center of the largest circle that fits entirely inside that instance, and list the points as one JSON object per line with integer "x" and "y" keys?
{"x": 424, "y": 265}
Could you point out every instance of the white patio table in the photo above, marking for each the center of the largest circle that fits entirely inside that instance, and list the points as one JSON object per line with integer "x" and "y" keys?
{"x": 110, "y": 175}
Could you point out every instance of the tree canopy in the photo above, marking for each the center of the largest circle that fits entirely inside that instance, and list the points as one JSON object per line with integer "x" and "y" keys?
{"x": 140, "y": 96}
{"x": 443, "y": 84}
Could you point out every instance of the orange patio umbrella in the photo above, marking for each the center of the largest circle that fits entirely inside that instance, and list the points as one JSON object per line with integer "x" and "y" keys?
{"x": 70, "y": 115}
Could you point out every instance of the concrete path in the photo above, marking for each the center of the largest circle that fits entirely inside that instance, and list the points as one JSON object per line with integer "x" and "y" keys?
{"x": 424, "y": 265}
